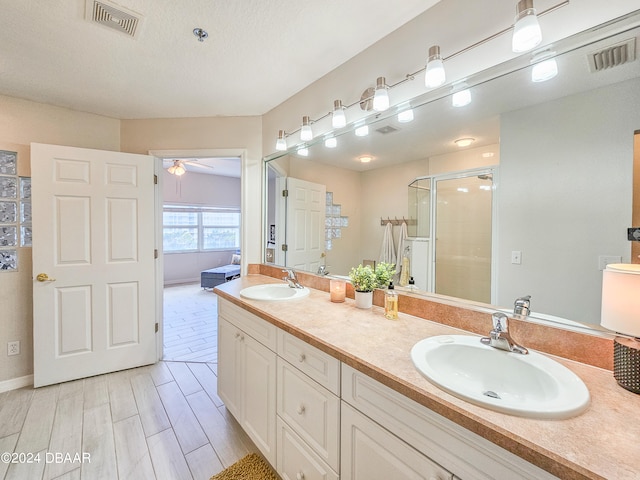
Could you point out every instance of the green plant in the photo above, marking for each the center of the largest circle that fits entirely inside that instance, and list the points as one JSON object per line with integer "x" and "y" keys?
{"x": 362, "y": 278}
{"x": 384, "y": 274}
{"x": 366, "y": 279}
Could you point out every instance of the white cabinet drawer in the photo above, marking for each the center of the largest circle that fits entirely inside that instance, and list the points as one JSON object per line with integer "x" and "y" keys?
{"x": 261, "y": 330}
{"x": 323, "y": 368}
{"x": 312, "y": 411}
{"x": 370, "y": 452}
{"x": 296, "y": 461}
{"x": 464, "y": 453}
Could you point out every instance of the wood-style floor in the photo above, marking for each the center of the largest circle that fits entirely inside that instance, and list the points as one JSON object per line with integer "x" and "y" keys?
{"x": 190, "y": 323}
{"x": 163, "y": 421}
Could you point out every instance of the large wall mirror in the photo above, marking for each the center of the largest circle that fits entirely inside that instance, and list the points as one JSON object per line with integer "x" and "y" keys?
{"x": 551, "y": 163}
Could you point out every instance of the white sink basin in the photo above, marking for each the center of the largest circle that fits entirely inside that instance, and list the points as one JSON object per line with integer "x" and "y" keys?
{"x": 273, "y": 291}
{"x": 532, "y": 385}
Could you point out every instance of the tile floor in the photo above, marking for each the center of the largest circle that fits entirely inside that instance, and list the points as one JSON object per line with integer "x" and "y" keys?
{"x": 163, "y": 421}
{"x": 190, "y": 315}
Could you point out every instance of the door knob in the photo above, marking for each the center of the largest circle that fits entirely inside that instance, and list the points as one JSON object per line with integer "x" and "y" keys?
{"x": 43, "y": 277}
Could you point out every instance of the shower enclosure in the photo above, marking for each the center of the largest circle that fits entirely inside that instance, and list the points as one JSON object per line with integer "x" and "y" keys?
{"x": 455, "y": 214}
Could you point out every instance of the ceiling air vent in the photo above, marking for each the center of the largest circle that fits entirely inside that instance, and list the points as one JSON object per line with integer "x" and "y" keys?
{"x": 612, "y": 56}
{"x": 386, "y": 129}
{"x": 113, "y": 16}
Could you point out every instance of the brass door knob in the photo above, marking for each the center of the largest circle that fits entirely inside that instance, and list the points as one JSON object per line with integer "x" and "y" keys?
{"x": 43, "y": 277}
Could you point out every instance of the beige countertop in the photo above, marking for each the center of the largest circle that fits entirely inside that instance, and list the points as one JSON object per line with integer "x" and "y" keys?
{"x": 603, "y": 442}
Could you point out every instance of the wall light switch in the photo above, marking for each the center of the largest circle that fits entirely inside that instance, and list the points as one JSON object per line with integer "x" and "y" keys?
{"x": 604, "y": 260}
{"x": 516, "y": 257}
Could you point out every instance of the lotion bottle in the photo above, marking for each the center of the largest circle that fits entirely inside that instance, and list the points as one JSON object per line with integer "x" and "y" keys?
{"x": 391, "y": 303}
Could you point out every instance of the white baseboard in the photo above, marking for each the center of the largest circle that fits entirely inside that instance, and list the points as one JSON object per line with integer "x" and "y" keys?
{"x": 15, "y": 383}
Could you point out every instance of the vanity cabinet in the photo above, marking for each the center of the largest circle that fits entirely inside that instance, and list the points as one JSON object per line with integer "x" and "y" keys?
{"x": 315, "y": 418}
{"x": 461, "y": 452}
{"x": 247, "y": 374}
{"x": 369, "y": 451}
{"x": 308, "y": 409}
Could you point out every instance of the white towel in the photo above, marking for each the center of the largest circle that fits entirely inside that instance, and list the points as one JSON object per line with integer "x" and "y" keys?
{"x": 403, "y": 272}
{"x": 388, "y": 253}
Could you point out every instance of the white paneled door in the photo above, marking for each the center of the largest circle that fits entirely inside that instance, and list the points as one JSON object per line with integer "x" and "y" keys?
{"x": 306, "y": 208}
{"x": 94, "y": 306}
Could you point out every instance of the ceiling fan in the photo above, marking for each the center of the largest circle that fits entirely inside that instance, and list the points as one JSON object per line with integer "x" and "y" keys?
{"x": 178, "y": 166}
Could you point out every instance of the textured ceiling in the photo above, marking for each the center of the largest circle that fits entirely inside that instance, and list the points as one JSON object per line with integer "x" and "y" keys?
{"x": 258, "y": 54}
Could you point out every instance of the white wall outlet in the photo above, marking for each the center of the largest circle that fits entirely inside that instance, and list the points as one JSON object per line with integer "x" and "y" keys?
{"x": 604, "y": 260}
{"x": 13, "y": 348}
{"x": 516, "y": 257}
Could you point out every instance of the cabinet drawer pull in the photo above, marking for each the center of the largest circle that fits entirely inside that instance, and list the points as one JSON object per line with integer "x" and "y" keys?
{"x": 301, "y": 409}
{"x": 302, "y": 357}
{"x": 299, "y": 476}
{"x": 239, "y": 336}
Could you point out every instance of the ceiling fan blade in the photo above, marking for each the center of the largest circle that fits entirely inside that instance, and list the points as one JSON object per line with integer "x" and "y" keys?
{"x": 196, "y": 164}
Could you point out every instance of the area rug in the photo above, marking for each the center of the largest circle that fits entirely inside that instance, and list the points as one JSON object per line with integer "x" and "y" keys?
{"x": 251, "y": 467}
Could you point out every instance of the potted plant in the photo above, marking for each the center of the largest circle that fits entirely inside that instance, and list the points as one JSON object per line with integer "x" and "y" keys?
{"x": 365, "y": 279}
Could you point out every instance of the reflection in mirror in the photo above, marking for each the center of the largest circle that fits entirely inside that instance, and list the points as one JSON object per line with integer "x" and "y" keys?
{"x": 560, "y": 157}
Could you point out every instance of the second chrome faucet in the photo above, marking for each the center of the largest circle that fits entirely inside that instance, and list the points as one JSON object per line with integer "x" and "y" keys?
{"x": 291, "y": 278}
{"x": 499, "y": 337}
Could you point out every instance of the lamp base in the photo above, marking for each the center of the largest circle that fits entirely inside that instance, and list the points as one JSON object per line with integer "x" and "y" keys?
{"x": 626, "y": 363}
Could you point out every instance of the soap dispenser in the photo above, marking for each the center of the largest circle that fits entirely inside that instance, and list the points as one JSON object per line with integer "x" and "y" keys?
{"x": 391, "y": 303}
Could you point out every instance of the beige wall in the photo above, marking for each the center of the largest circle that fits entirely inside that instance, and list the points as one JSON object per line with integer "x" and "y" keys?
{"x": 581, "y": 180}
{"x": 229, "y": 135}
{"x": 23, "y": 122}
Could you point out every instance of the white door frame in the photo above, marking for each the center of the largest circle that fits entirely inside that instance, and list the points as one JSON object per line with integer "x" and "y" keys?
{"x": 195, "y": 153}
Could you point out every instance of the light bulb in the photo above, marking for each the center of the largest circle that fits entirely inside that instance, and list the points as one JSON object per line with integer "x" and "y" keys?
{"x": 179, "y": 171}
{"x": 362, "y": 131}
{"x": 331, "y": 142}
{"x": 172, "y": 169}
{"x": 339, "y": 119}
{"x": 305, "y": 131}
{"x": 365, "y": 158}
{"x": 381, "y": 96}
{"x": 405, "y": 116}
{"x": 545, "y": 70}
{"x": 303, "y": 151}
{"x": 526, "y": 30}
{"x": 434, "y": 75}
{"x": 281, "y": 142}
{"x": 461, "y": 98}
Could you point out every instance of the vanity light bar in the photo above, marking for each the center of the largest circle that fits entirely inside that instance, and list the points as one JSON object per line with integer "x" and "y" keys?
{"x": 441, "y": 60}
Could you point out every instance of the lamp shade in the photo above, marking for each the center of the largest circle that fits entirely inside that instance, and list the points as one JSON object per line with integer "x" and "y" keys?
{"x": 526, "y": 30}
{"x": 620, "y": 294}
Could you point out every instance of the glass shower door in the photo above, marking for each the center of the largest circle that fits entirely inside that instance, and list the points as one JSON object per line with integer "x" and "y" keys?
{"x": 463, "y": 236}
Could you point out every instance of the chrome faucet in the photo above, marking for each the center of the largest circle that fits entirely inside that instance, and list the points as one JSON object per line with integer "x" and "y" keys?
{"x": 522, "y": 306}
{"x": 499, "y": 337}
{"x": 322, "y": 270}
{"x": 291, "y": 278}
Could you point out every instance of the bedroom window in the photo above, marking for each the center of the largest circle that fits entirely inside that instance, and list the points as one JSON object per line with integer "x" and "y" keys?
{"x": 199, "y": 228}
